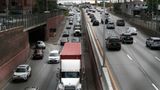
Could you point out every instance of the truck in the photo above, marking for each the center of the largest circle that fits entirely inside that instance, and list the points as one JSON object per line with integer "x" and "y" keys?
{"x": 70, "y": 67}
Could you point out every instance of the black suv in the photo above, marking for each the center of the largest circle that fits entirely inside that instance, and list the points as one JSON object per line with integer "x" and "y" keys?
{"x": 38, "y": 54}
{"x": 153, "y": 42}
{"x": 126, "y": 38}
{"x": 120, "y": 22}
{"x": 113, "y": 42}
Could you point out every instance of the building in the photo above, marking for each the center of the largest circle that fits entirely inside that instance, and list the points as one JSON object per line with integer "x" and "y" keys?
{"x": 17, "y": 6}
{"x": 133, "y": 8}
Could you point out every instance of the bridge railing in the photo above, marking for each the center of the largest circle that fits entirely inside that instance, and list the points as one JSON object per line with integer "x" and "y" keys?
{"x": 27, "y": 20}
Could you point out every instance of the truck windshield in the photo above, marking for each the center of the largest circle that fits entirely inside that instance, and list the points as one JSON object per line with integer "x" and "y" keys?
{"x": 70, "y": 74}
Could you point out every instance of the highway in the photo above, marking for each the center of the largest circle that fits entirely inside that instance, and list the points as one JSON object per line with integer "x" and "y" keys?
{"x": 135, "y": 66}
{"x": 43, "y": 75}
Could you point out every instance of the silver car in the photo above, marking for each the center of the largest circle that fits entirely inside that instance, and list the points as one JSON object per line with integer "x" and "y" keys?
{"x": 22, "y": 72}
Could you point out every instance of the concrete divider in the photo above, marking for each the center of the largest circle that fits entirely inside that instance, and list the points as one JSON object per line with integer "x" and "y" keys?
{"x": 105, "y": 75}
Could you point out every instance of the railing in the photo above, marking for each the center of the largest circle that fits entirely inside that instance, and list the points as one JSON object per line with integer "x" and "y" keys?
{"x": 26, "y": 21}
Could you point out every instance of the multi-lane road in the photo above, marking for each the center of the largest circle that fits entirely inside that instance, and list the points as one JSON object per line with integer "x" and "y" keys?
{"x": 43, "y": 75}
{"x": 135, "y": 66}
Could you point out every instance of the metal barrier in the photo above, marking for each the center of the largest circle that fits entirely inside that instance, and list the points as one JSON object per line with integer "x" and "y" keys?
{"x": 27, "y": 20}
{"x": 102, "y": 71}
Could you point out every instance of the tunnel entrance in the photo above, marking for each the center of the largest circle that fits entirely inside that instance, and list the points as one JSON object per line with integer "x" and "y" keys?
{"x": 36, "y": 34}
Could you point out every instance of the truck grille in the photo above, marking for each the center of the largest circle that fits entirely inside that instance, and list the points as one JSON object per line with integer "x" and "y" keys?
{"x": 70, "y": 88}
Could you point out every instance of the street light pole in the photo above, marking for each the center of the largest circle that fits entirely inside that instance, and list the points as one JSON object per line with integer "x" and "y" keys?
{"x": 7, "y": 7}
{"x": 103, "y": 18}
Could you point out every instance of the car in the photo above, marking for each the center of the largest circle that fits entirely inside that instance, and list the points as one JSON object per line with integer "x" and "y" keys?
{"x": 40, "y": 45}
{"x": 68, "y": 27}
{"x": 22, "y": 72}
{"x": 77, "y": 27}
{"x": 54, "y": 56}
{"x": 126, "y": 38}
{"x": 75, "y": 39}
{"x": 70, "y": 22}
{"x": 93, "y": 18}
{"x": 153, "y": 42}
{"x": 77, "y": 33}
{"x": 132, "y": 30}
{"x": 95, "y": 23}
{"x": 120, "y": 22}
{"x": 110, "y": 25}
{"x": 113, "y": 42}
{"x": 65, "y": 34}
{"x": 91, "y": 15}
{"x": 64, "y": 40}
{"x": 38, "y": 54}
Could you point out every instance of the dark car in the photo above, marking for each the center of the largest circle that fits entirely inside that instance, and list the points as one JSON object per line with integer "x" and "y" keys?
{"x": 120, "y": 23}
{"x": 110, "y": 25}
{"x": 68, "y": 27}
{"x": 93, "y": 18}
{"x": 153, "y": 42}
{"x": 126, "y": 38}
{"x": 65, "y": 34}
{"x": 38, "y": 54}
{"x": 113, "y": 42}
{"x": 64, "y": 40}
{"x": 91, "y": 15}
{"x": 95, "y": 23}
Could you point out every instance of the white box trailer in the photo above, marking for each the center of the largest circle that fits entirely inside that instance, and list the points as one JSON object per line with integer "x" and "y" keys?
{"x": 70, "y": 73}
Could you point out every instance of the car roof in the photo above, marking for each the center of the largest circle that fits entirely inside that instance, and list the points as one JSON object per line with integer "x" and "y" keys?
{"x": 155, "y": 38}
{"x": 113, "y": 37}
{"x": 54, "y": 51}
{"x": 23, "y": 66}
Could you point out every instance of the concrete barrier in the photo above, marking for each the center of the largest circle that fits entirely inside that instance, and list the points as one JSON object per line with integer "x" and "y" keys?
{"x": 103, "y": 73}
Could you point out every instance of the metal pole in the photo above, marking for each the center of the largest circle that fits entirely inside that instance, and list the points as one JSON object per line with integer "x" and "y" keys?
{"x": 7, "y": 7}
{"x": 104, "y": 49}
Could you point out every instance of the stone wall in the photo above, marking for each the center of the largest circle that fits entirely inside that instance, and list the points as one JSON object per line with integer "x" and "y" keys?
{"x": 14, "y": 50}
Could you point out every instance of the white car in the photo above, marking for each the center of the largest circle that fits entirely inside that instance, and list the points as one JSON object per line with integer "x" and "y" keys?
{"x": 54, "y": 57}
{"x": 22, "y": 72}
{"x": 132, "y": 30}
{"x": 40, "y": 44}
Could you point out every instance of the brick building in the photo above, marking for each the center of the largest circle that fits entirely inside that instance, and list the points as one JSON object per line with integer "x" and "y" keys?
{"x": 17, "y": 6}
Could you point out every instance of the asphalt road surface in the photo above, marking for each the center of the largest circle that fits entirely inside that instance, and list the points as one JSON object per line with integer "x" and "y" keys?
{"x": 135, "y": 66}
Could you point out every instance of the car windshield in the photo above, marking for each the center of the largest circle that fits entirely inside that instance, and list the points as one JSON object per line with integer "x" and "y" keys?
{"x": 20, "y": 70}
{"x": 53, "y": 54}
{"x": 70, "y": 74}
{"x": 114, "y": 40}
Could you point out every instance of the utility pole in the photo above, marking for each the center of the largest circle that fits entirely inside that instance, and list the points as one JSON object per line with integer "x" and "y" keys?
{"x": 104, "y": 37}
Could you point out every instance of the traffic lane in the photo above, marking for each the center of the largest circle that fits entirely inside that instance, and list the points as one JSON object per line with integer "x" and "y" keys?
{"x": 42, "y": 74}
{"x": 127, "y": 73}
{"x": 100, "y": 35}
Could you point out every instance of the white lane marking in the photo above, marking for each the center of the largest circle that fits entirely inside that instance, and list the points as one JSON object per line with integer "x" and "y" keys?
{"x": 157, "y": 58}
{"x": 155, "y": 86}
{"x": 129, "y": 57}
{"x": 135, "y": 41}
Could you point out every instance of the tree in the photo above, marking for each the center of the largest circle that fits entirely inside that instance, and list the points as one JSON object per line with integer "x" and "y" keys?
{"x": 152, "y": 6}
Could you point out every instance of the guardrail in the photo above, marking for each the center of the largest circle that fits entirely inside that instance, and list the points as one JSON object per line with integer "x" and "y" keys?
{"x": 102, "y": 71}
{"x": 26, "y": 21}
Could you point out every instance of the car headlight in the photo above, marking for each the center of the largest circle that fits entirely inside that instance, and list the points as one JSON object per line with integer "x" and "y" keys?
{"x": 78, "y": 87}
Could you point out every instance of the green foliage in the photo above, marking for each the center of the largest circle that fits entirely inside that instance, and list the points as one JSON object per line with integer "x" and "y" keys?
{"x": 152, "y": 5}
{"x": 117, "y": 7}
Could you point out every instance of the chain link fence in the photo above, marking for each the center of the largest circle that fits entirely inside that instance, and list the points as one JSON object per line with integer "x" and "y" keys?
{"x": 27, "y": 21}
